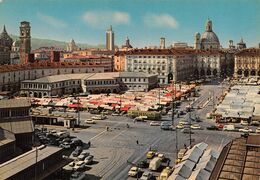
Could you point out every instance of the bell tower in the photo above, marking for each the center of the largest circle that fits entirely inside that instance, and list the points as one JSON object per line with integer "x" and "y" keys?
{"x": 25, "y": 41}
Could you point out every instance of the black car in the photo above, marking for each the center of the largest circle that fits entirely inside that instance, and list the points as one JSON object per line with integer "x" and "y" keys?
{"x": 212, "y": 128}
{"x": 142, "y": 164}
{"x": 77, "y": 151}
{"x": 76, "y": 142}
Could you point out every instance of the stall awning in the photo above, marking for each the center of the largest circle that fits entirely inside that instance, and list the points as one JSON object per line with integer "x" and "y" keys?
{"x": 124, "y": 108}
{"x": 75, "y": 106}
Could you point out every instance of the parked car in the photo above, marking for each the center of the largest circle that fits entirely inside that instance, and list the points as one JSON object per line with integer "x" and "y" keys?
{"x": 195, "y": 126}
{"x": 246, "y": 130}
{"x": 165, "y": 173}
{"x": 77, "y": 176}
{"x": 184, "y": 122}
{"x": 77, "y": 151}
{"x": 65, "y": 145}
{"x": 76, "y": 142}
{"x": 161, "y": 156}
{"x": 154, "y": 123}
{"x": 179, "y": 126}
{"x": 165, "y": 125}
{"x": 155, "y": 164}
{"x": 90, "y": 121}
{"x": 80, "y": 165}
{"x": 255, "y": 123}
{"x": 84, "y": 152}
{"x": 229, "y": 127}
{"x": 257, "y": 130}
{"x": 244, "y": 123}
{"x": 220, "y": 126}
{"x": 186, "y": 131}
{"x": 99, "y": 117}
{"x": 150, "y": 154}
{"x": 133, "y": 171}
{"x": 89, "y": 159}
{"x": 142, "y": 164}
{"x": 213, "y": 127}
{"x": 147, "y": 175}
{"x": 81, "y": 157}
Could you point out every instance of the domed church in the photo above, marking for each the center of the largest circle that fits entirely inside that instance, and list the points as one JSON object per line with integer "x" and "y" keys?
{"x": 208, "y": 40}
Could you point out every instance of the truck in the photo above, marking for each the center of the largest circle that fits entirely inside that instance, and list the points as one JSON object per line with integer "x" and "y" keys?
{"x": 155, "y": 164}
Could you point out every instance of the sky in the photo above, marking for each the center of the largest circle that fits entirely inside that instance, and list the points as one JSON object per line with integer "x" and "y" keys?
{"x": 143, "y": 21}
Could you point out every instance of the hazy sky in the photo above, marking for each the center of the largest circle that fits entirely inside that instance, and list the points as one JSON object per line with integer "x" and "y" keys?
{"x": 143, "y": 21}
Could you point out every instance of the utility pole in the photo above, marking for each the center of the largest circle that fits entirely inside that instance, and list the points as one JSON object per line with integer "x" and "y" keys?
{"x": 78, "y": 110}
{"x": 190, "y": 128}
{"x": 36, "y": 157}
{"x": 173, "y": 108}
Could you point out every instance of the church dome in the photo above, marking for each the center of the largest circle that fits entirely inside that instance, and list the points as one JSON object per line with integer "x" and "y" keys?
{"x": 209, "y": 40}
{"x": 209, "y": 37}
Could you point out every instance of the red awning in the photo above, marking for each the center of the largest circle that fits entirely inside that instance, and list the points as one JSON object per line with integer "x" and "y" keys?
{"x": 124, "y": 109}
{"x": 113, "y": 105}
{"x": 75, "y": 106}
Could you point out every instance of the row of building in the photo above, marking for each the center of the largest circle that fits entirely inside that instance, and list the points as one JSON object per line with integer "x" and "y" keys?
{"x": 111, "y": 82}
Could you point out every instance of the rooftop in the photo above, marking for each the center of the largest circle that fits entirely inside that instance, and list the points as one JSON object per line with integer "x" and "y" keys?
{"x": 239, "y": 160}
{"x": 172, "y": 51}
{"x": 14, "y": 103}
{"x": 45, "y": 64}
{"x": 249, "y": 52}
{"x": 14, "y": 166}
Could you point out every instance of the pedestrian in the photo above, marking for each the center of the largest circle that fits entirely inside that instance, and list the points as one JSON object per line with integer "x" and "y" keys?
{"x": 150, "y": 148}
{"x": 134, "y": 120}
{"x": 89, "y": 144}
{"x": 137, "y": 142}
{"x": 185, "y": 146}
{"x": 107, "y": 128}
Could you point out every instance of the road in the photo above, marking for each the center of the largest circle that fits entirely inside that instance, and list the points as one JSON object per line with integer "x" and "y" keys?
{"x": 116, "y": 149}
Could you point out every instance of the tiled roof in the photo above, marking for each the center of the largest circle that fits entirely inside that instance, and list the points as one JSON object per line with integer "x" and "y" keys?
{"x": 249, "y": 52}
{"x": 46, "y": 64}
{"x": 173, "y": 51}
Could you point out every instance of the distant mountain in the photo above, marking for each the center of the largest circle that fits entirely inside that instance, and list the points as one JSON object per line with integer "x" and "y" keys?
{"x": 37, "y": 43}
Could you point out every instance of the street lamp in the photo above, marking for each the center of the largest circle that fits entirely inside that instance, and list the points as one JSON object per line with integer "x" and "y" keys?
{"x": 173, "y": 108}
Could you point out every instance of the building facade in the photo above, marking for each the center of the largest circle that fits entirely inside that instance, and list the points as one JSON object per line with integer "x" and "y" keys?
{"x": 105, "y": 61}
{"x": 111, "y": 82}
{"x": 12, "y": 75}
{"x": 25, "y": 41}
{"x": 247, "y": 63}
{"x": 5, "y": 47}
{"x": 110, "y": 39}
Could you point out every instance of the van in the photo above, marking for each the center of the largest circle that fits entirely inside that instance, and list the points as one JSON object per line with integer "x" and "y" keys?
{"x": 165, "y": 174}
{"x": 229, "y": 127}
{"x": 155, "y": 164}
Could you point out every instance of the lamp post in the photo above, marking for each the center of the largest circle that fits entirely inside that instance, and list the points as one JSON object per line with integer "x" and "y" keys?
{"x": 173, "y": 108}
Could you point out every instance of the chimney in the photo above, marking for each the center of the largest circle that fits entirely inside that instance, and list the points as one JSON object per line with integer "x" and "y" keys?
{"x": 55, "y": 56}
{"x": 162, "y": 43}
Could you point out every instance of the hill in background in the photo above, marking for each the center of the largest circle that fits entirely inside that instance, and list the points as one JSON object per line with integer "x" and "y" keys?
{"x": 37, "y": 43}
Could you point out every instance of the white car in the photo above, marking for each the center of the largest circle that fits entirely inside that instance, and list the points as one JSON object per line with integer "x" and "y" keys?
{"x": 246, "y": 130}
{"x": 195, "y": 126}
{"x": 257, "y": 130}
{"x": 244, "y": 123}
{"x": 79, "y": 165}
{"x": 133, "y": 171}
{"x": 90, "y": 121}
{"x": 146, "y": 175}
{"x": 115, "y": 114}
{"x": 154, "y": 123}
